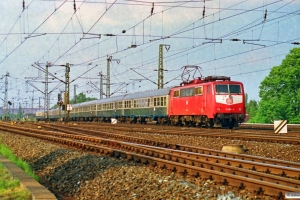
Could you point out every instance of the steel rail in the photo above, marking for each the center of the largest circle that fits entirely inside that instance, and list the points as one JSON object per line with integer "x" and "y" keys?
{"x": 276, "y": 168}
{"x": 213, "y": 133}
{"x": 259, "y": 186}
{"x": 177, "y": 146}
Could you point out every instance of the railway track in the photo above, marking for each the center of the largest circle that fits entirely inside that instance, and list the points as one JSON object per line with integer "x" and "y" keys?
{"x": 215, "y": 133}
{"x": 262, "y": 175}
{"x": 290, "y": 127}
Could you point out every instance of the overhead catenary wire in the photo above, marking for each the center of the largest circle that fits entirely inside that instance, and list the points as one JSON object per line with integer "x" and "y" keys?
{"x": 211, "y": 22}
{"x": 30, "y": 34}
{"x": 185, "y": 53}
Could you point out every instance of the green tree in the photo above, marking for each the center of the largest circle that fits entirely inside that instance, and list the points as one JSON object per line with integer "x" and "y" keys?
{"x": 81, "y": 98}
{"x": 279, "y": 92}
{"x": 20, "y": 113}
{"x": 251, "y": 109}
{"x": 78, "y": 99}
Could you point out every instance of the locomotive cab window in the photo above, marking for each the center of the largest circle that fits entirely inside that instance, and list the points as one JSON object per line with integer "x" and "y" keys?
{"x": 222, "y": 89}
{"x": 228, "y": 89}
{"x": 235, "y": 89}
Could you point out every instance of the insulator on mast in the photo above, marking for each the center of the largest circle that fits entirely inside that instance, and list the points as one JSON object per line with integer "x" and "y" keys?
{"x": 74, "y": 6}
{"x": 152, "y": 9}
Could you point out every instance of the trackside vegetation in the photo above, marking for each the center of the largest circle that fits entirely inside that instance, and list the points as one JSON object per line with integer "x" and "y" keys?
{"x": 10, "y": 188}
{"x": 279, "y": 93}
{"x": 6, "y": 152}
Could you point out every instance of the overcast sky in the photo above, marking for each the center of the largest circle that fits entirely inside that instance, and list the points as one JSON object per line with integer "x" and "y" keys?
{"x": 240, "y": 39}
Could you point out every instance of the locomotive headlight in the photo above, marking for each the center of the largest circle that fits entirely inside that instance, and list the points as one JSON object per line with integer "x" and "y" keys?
{"x": 218, "y": 109}
{"x": 240, "y": 109}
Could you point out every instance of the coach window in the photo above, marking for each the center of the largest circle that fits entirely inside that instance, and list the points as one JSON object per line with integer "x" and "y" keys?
{"x": 134, "y": 103}
{"x": 165, "y": 101}
{"x": 128, "y": 104}
{"x": 118, "y": 105}
{"x": 154, "y": 101}
{"x": 198, "y": 91}
{"x": 148, "y": 102}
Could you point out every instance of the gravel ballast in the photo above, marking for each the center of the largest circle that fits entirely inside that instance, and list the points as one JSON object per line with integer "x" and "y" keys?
{"x": 73, "y": 174}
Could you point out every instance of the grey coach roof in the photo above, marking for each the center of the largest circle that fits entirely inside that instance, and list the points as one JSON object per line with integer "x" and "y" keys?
{"x": 150, "y": 93}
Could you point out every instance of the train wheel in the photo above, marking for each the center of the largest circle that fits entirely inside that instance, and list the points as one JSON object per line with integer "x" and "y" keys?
{"x": 210, "y": 124}
{"x": 231, "y": 123}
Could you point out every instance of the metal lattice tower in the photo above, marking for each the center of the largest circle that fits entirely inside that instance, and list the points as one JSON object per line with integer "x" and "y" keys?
{"x": 32, "y": 101}
{"x": 75, "y": 92}
{"x": 108, "y": 78}
{"x": 67, "y": 92}
{"x": 108, "y": 75}
{"x": 101, "y": 85}
{"x": 161, "y": 65}
{"x": 6, "y": 92}
{"x": 46, "y": 101}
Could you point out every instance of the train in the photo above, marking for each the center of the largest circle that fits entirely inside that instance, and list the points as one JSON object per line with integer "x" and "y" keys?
{"x": 212, "y": 101}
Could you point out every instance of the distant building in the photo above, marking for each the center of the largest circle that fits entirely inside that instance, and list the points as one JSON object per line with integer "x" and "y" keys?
{"x": 26, "y": 111}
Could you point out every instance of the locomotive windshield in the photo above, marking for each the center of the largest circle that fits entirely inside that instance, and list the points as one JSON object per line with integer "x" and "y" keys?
{"x": 228, "y": 89}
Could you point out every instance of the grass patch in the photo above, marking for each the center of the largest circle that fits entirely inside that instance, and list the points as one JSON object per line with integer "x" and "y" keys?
{"x": 10, "y": 188}
{"x": 6, "y": 152}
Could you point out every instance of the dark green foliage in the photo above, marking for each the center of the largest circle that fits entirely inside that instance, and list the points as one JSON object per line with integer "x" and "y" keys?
{"x": 78, "y": 99}
{"x": 20, "y": 113}
{"x": 81, "y": 98}
{"x": 280, "y": 93}
{"x": 251, "y": 109}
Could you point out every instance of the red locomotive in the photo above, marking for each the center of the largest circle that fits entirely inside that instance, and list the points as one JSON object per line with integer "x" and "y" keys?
{"x": 214, "y": 101}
